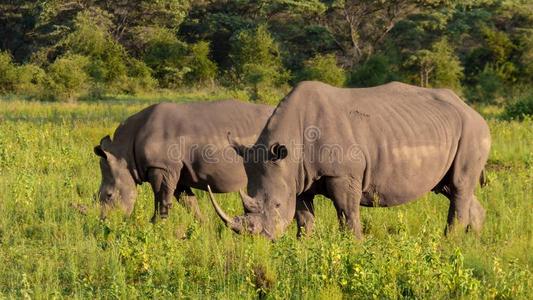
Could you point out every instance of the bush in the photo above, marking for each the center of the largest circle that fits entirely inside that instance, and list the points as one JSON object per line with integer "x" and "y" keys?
{"x": 323, "y": 68}
{"x": 30, "y": 80}
{"x": 111, "y": 69}
{"x": 489, "y": 87}
{"x": 257, "y": 61}
{"x": 520, "y": 109}
{"x": 25, "y": 79}
{"x": 67, "y": 78}
{"x": 203, "y": 70}
{"x": 448, "y": 69}
{"x": 139, "y": 78}
{"x": 167, "y": 56}
{"x": 8, "y": 73}
{"x": 375, "y": 71}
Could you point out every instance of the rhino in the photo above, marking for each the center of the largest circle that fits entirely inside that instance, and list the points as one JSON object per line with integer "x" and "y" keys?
{"x": 176, "y": 147}
{"x": 375, "y": 147}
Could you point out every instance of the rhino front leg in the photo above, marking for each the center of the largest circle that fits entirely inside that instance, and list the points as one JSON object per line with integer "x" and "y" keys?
{"x": 305, "y": 215}
{"x": 163, "y": 185}
{"x": 346, "y": 194}
{"x": 189, "y": 200}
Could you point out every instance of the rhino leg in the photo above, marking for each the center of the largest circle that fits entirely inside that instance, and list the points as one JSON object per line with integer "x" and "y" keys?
{"x": 186, "y": 197}
{"x": 345, "y": 192}
{"x": 163, "y": 185}
{"x": 477, "y": 215}
{"x": 465, "y": 211}
{"x": 305, "y": 215}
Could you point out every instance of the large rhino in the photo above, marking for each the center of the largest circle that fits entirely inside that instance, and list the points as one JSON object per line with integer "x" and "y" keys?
{"x": 176, "y": 147}
{"x": 380, "y": 146}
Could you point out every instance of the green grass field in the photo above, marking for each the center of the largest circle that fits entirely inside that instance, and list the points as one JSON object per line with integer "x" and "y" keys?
{"x": 49, "y": 249}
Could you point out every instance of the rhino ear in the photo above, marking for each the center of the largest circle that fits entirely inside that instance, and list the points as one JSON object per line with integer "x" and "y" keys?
{"x": 99, "y": 150}
{"x": 239, "y": 148}
{"x": 278, "y": 151}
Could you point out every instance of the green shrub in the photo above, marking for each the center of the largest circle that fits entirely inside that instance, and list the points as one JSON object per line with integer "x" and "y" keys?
{"x": 489, "y": 87}
{"x": 167, "y": 56}
{"x": 30, "y": 79}
{"x": 448, "y": 69}
{"x": 139, "y": 78}
{"x": 111, "y": 69}
{"x": 8, "y": 73}
{"x": 67, "y": 78}
{"x": 519, "y": 109}
{"x": 26, "y": 79}
{"x": 375, "y": 71}
{"x": 257, "y": 61}
{"x": 203, "y": 70}
{"x": 323, "y": 68}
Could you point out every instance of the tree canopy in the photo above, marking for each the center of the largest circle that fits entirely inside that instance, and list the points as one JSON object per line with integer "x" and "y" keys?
{"x": 482, "y": 49}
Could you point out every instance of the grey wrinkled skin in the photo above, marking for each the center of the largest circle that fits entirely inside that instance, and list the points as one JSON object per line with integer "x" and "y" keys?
{"x": 176, "y": 147}
{"x": 408, "y": 141}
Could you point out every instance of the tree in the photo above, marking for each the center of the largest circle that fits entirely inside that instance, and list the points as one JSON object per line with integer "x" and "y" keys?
{"x": 203, "y": 70}
{"x": 323, "y": 68}
{"x": 256, "y": 60}
{"x": 438, "y": 66}
{"x": 361, "y": 26}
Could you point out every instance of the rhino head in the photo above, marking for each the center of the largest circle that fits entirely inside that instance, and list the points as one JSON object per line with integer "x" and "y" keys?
{"x": 118, "y": 187}
{"x": 270, "y": 206}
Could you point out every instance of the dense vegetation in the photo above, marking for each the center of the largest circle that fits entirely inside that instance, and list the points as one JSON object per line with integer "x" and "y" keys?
{"x": 52, "y": 244}
{"x": 66, "y": 50}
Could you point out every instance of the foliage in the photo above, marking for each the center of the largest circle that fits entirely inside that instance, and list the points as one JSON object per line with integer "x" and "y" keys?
{"x": 167, "y": 56}
{"x": 323, "y": 68}
{"x": 67, "y": 78}
{"x": 8, "y": 73}
{"x": 256, "y": 61}
{"x": 438, "y": 66}
{"x": 375, "y": 71}
{"x": 26, "y": 79}
{"x": 481, "y": 48}
{"x": 520, "y": 109}
{"x": 490, "y": 85}
{"x": 203, "y": 70}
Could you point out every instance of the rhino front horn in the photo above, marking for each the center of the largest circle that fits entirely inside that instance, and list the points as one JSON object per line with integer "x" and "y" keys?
{"x": 231, "y": 223}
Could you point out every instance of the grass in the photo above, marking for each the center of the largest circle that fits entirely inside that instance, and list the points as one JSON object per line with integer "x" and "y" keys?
{"x": 48, "y": 248}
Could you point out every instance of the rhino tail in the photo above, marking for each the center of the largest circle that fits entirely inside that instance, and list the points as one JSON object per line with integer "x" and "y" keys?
{"x": 482, "y": 178}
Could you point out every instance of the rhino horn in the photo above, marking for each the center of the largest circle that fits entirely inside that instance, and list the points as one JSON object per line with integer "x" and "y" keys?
{"x": 231, "y": 223}
{"x": 248, "y": 202}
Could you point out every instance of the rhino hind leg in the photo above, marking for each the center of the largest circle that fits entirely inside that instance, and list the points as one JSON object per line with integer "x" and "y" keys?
{"x": 477, "y": 215}
{"x": 305, "y": 215}
{"x": 163, "y": 185}
{"x": 465, "y": 210}
{"x": 346, "y": 195}
{"x": 186, "y": 197}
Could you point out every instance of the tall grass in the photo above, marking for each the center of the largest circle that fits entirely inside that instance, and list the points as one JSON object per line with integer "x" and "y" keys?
{"x": 48, "y": 248}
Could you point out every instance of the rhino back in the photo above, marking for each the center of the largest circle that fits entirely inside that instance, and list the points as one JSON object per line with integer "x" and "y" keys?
{"x": 194, "y": 135}
{"x": 404, "y": 137}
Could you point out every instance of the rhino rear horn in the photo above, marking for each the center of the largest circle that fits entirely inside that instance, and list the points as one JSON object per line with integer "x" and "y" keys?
{"x": 250, "y": 205}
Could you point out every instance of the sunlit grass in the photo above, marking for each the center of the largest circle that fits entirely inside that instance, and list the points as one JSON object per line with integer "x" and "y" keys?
{"x": 49, "y": 249}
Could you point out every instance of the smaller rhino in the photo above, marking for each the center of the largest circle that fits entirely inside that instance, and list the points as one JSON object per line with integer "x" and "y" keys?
{"x": 176, "y": 147}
